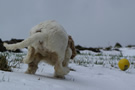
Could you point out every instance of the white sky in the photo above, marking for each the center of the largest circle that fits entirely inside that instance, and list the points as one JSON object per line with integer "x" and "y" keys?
{"x": 91, "y": 23}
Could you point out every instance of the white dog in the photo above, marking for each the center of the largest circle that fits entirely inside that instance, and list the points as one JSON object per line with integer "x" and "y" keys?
{"x": 49, "y": 42}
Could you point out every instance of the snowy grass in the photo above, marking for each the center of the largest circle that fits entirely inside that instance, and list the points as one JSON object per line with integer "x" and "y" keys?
{"x": 110, "y": 59}
{"x": 14, "y": 59}
{"x": 92, "y": 71}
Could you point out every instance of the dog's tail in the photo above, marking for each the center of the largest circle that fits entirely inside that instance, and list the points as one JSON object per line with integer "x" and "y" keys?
{"x": 27, "y": 42}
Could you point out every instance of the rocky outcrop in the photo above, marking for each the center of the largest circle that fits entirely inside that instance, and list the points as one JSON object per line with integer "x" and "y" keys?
{"x": 117, "y": 45}
{"x": 2, "y": 48}
{"x": 78, "y": 47}
{"x": 12, "y": 41}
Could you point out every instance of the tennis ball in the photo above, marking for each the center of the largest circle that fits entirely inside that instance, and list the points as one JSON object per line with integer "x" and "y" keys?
{"x": 123, "y": 64}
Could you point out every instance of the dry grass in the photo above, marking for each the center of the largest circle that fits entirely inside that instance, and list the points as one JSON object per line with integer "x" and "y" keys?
{"x": 4, "y": 63}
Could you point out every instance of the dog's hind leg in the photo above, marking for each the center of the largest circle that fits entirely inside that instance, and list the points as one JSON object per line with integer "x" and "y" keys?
{"x": 60, "y": 71}
{"x": 33, "y": 66}
{"x": 29, "y": 57}
{"x": 67, "y": 57}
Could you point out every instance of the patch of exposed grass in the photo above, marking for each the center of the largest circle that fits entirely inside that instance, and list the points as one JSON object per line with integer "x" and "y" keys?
{"x": 4, "y": 63}
{"x": 9, "y": 60}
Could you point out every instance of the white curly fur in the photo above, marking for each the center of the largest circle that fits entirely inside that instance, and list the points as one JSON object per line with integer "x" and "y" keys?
{"x": 48, "y": 41}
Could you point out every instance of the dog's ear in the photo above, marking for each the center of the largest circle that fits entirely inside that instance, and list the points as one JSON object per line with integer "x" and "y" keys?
{"x": 72, "y": 46}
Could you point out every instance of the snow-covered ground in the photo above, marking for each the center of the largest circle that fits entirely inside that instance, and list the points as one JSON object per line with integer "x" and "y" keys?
{"x": 97, "y": 77}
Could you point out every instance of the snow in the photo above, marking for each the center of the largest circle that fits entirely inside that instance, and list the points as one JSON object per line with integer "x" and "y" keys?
{"x": 128, "y": 51}
{"x": 87, "y": 52}
{"x": 24, "y": 50}
{"x": 95, "y": 77}
{"x": 111, "y": 52}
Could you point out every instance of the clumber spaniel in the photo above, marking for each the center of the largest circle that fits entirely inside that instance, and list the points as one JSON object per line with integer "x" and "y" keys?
{"x": 49, "y": 42}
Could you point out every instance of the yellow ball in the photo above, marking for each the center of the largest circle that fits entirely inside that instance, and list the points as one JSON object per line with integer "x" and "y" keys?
{"x": 123, "y": 64}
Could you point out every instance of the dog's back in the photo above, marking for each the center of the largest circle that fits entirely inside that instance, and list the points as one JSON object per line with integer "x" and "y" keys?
{"x": 53, "y": 37}
{"x": 48, "y": 34}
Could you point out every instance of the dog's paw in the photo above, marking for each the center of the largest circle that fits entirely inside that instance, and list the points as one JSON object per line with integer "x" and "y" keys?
{"x": 66, "y": 70}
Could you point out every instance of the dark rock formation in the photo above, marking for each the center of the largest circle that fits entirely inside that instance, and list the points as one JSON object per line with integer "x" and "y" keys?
{"x": 78, "y": 47}
{"x": 117, "y": 45}
{"x": 130, "y": 46}
{"x": 108, "y": 48}
{"x": 2, "y": 48}
{"x": 12, "y": 41}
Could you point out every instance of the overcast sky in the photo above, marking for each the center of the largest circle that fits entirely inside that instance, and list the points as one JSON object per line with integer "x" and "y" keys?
{"x": 91, "y": 23}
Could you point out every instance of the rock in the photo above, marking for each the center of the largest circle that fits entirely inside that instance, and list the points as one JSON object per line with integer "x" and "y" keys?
{"x": 12, "y": 41}
{"x": 108, "y": 48}
{"x": 2, "y": 48}
{"x": 78, "y": 52}
{"x": 130, "y": 46}
{"x": 78, "y": 47}
{"x": 117, "y": 45}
